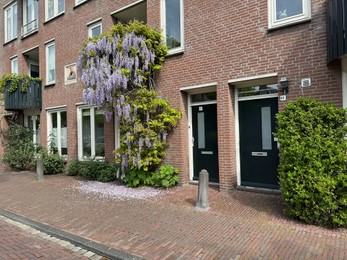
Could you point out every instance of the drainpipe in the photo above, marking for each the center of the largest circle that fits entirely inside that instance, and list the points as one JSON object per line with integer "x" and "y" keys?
{"x": 344, "y": 81}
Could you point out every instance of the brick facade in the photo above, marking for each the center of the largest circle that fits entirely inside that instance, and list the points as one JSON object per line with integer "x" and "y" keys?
{"x": 224, "y": 40}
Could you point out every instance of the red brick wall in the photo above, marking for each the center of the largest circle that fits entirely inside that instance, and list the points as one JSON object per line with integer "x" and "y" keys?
{"x": 223, "y": 40}
{"x": 228, "y": 40}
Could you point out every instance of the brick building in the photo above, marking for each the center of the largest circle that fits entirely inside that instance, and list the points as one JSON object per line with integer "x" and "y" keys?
{"x": 231, "y": 66}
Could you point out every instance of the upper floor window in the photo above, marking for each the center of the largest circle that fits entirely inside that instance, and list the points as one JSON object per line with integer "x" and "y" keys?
{"x": 54, "y": 8}
{"x": 285, "y": 12}
{"x": 14, "y": 65}
{"x": 94, "y": 30}
{"x": 172, "y": 24}
{"x": 30, "y": 16}
{"x": 11, "y": 22}
{"x": 50, "y": 63}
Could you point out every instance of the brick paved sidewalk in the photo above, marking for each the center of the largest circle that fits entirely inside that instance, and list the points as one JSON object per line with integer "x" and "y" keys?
{"x": 18, "y": 241}
{"x": 239, "y": 225}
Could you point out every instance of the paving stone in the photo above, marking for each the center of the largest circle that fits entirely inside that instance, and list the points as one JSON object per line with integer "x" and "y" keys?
{"x": 239, "y": 225}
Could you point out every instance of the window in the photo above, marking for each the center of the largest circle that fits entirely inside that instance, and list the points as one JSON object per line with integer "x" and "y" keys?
{"x": 34, "y": 69}
{"x": 54, "y": 8}
{"x": 11, "y": 22}
{"x": 30, "y": 17}
{"x": 91, "y": 140}
{"x": 33, "y": 122}
{"x": 94, "y": 30}
{"x": 78, "y": 2}
{"x": 14, "y": 65}
{"x": 172, "y": 24}
{"x": 50, "y": 63}
{"x": 285, "y": 12}
{"x": 57, "y": 130}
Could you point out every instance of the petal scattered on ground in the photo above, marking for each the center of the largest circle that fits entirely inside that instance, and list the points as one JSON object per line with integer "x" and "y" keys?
{"x": 115, "y": 191}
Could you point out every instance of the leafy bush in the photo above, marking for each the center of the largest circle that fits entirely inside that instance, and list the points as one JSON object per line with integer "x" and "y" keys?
{"x": 135, "y": 178}
{"x": 19, "y": 149}
{"x": 313, "y": 163}
{"x": 93, "y": 170}
{"x": 53, "y": 163}
{"x": 166, "y": 177}
{"x": 73, "y": 168}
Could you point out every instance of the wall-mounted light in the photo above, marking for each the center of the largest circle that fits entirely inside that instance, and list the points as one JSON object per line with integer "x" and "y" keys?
{"x": 284, "y": 85}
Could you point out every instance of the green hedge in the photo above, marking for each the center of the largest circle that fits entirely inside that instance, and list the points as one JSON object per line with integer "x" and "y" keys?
{"x": 313, "y": 162}
{"x": 92, "y": 169}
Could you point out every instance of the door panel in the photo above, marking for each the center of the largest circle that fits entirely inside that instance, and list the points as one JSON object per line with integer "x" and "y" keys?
{"x": 205, "y": 150}
{"x": 258, "y": 149}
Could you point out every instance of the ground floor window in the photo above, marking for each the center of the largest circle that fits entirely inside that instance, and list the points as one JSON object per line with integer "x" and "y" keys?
{"x": 91, "y": 140}
{"x": 57, "y": 130}
{"x": 33, "y": 122}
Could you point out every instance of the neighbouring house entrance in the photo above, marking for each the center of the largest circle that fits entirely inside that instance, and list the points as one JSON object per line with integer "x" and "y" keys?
{"x": 258, "y": 148}
{"x": 204, "y": 133}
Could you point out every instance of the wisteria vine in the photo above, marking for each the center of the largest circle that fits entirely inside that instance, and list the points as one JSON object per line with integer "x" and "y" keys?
{"x": 116, "y": 70}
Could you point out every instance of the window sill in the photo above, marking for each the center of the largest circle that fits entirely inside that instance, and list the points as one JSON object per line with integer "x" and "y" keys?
{"x": 174, "y": 52}
{"x": 287, "y": 24}
{"x": 80, "y": 3}
{"x": 30, "y": 33}
{"x": 51, "y": 84}
{"x": 10, "y": 41}
{"x": 54, "y": 17}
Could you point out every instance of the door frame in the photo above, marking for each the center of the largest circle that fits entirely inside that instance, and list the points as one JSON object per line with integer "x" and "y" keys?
{"x": 193, "y": 90}
{"x": 265, "y": 79}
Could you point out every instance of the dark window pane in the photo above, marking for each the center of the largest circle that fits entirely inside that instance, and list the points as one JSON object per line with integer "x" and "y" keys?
{"x": 173, "y": 23}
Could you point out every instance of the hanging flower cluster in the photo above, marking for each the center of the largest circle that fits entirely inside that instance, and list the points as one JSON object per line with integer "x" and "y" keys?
{"x": 116, "y": 70}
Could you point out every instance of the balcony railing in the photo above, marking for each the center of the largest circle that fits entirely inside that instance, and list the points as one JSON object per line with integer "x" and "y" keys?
{"x": 18, "y": 100}
{"x": 30, "y": 27}
{"x": 336, "y": 29}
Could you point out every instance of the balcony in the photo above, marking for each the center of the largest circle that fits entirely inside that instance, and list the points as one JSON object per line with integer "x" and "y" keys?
{"x": 30, "y": 28}
{"x": 336, "y": 29}
{"x": 18, "y": 100}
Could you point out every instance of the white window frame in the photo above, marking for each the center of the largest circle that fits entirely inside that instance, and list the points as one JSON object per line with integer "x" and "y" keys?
{"x": 163, "y": 25}
{"x": 13, "y": 61}
{"x": 33, "y": 116}
{"x": 14, "y": 21}
{"x": 55, "y": 10}
{"x": 92, "y": 26}
{"x": 92, "y": 132}
{"x": 25, "y": 32}
{"x": 33, "y": 63}
{"x": 274, "y": 23}
{"x": 48, "y": 45}
{"x": 50, "y": 127}
{"x": 78, "y": 2}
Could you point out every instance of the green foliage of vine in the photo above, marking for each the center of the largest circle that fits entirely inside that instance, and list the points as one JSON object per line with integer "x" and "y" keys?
{"x": 16, "y": 81}
{"x": 313, "y": 162}
{"x": 154, "y": 119}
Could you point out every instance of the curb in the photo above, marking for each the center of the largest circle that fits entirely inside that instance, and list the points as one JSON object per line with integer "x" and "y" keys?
{"x": 82, "y": 242}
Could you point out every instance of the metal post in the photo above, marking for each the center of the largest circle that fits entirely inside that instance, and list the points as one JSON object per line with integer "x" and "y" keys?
{"x": 39, "y": 168}
{"x": 202, "y": 202}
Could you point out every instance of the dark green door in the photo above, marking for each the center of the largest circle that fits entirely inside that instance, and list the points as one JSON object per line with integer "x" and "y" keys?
{"x": 205, "y": 149}
{"x": 258, "y": 149}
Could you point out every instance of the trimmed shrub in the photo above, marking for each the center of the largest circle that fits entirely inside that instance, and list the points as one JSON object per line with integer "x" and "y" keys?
{"x": 313, "y": 162}
{"x": 53, "y": 163}
{"x": 92, "y": 169}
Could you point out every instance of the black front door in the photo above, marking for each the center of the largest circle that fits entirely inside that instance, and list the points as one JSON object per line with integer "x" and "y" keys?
{"x": 258, "y": 149}
{"x": 205, "y": 150}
